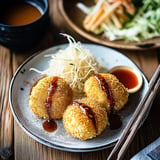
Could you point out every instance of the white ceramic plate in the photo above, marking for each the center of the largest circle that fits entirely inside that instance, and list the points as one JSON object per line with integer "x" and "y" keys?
{"x": 60, "y": 139}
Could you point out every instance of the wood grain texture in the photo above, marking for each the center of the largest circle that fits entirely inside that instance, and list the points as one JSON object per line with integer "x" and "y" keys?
{"x": 147, "y": 61}
{"x": 6, "y": 118}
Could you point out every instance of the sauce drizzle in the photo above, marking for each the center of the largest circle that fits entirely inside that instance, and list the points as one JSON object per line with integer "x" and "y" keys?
{"x": 50, "y": 125}
{"x": 114, "y": 119}
{"x": 87, "y": 111}
{"x": 105, "y": 87}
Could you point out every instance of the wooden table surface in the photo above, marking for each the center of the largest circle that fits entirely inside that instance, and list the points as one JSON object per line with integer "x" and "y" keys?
{"x": 24, "y": 147}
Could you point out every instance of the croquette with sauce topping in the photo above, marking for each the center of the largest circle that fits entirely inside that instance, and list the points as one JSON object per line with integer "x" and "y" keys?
{"x": 48, "y": 99}
{"x": 93, "y": 89}
{"x": 85, "y": 118}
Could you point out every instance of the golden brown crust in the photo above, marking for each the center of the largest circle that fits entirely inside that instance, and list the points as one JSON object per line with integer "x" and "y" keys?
{"x": 77, "y": 123}
{"x": 61, "y": 98}
{"x": 119, "y": 91}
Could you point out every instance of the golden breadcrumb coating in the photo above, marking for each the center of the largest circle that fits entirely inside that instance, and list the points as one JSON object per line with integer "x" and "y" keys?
{"x": 78, "y": 124}
{"x": 60, "y": 99}
{"x": 119, "y": 91}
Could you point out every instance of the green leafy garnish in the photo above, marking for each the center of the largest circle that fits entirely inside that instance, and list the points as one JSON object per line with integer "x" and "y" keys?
{"x": 144, "y": 25}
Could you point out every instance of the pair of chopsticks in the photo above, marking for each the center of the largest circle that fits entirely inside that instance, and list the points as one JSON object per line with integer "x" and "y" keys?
{"x": 129, "y": 132}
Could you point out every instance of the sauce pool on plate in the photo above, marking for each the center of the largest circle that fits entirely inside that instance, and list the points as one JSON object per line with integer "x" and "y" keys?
{"x": 49, "y": 125}
{"x": 19, "y": 14}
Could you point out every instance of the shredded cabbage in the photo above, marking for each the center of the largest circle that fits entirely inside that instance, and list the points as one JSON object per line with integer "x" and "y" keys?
{"x": 74, "y": 63}
{"x": 143, "y": 25}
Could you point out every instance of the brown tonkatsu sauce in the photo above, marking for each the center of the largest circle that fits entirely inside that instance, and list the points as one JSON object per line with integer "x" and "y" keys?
{"x": 128, "y": 78}
{"x": 114, "y": 119}
{"x": 88, "y": 111}
{"x": 50, "y": 125}
{"x": 105, "y": 87}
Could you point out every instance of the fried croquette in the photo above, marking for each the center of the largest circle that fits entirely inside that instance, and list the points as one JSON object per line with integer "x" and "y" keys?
{"x": 85, "y": 118}
{"x": 113, "y": 98}
{"x": 49, "y": 97}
